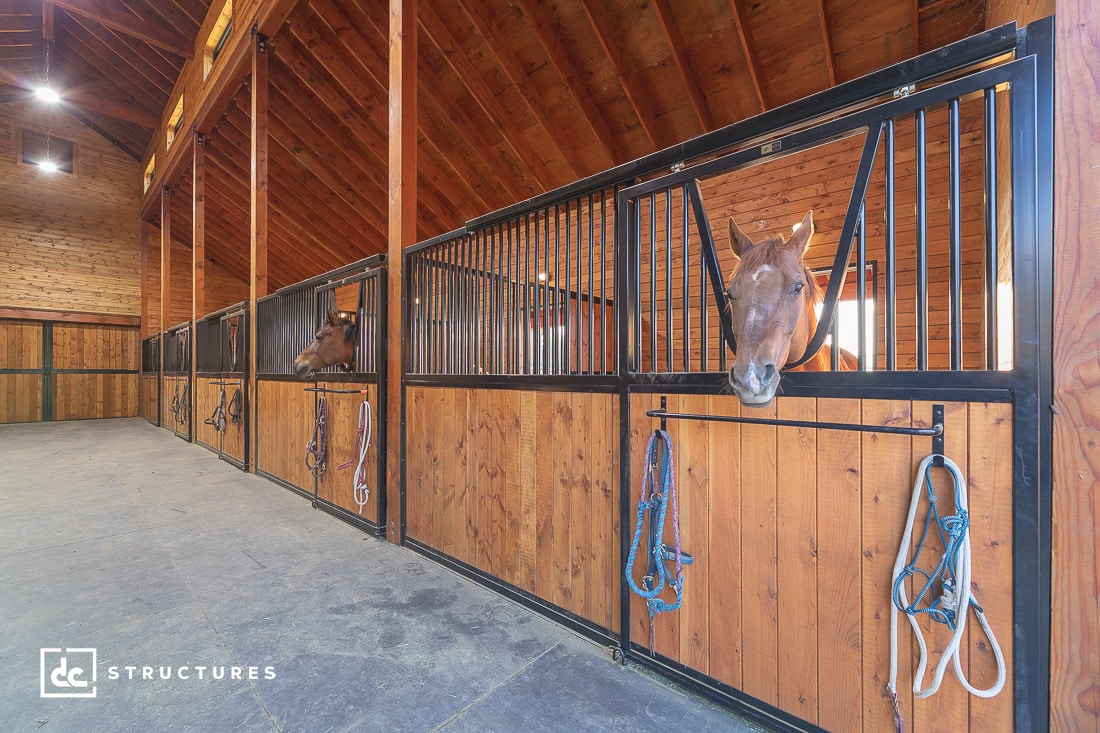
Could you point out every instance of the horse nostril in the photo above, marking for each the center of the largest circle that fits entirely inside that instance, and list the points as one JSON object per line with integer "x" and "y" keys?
{"x": 769, "y": 372}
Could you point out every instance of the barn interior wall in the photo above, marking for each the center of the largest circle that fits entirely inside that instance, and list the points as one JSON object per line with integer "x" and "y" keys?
{"x": 67, "y": 242}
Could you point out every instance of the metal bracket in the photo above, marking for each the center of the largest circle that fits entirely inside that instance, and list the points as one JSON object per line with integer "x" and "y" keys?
{"x": 904, "y": 91}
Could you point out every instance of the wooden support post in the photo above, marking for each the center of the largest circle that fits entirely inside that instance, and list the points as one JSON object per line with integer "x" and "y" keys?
{"x": 146, "y": 317}
{"x": 258, "y": 190}
{"x": 198, "y": 231}
{"x": 165, "y": 264}
{"x": 402, "y": 233}
{"x": 198, "y": 257}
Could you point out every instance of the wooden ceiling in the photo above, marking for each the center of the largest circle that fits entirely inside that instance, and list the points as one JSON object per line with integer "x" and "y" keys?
{"x": 114, "y": 62}
{"x": 516, "y": 97}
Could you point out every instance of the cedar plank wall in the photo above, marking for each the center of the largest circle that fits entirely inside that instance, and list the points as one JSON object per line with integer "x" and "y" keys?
{"x": 522, "y": 486}
{"x": 1075, "y": 652}
{"x": 67, "y": 242}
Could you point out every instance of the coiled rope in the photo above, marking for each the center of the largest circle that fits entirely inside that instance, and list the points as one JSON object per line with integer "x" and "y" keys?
{"x": 360, "y": 490}
{"x": 316, "y": 447}
{"x": 946, "y": 594}
{"x": 658, "y": 491}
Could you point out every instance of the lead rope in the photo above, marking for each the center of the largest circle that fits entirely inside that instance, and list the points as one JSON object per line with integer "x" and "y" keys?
{"x": 235, "y": 407}
{"x": 658, "y": 491}
{"x": 315, "y": 448}
{"x": 361, "y": 492}
{"x": 217, "y": 418}
{"x": 952, "y": 575}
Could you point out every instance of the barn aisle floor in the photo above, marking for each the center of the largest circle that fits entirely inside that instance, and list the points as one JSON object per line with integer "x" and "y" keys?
{"x": 217, "y": 601}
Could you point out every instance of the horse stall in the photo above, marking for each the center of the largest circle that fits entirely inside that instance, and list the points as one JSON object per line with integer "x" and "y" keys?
{"x": 221, "y": 383}
{"x": 318, "y": 433}
{"x": 568, "y": 378}
{"x": 175, "y": 392}
{"x": 150, "y": 379}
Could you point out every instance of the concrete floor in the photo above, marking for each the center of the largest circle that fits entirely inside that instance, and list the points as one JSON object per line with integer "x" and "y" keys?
{"x": 119, "y": 537}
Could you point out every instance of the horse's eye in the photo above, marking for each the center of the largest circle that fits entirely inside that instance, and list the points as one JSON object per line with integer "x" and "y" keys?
{"x": 797, "y": 288}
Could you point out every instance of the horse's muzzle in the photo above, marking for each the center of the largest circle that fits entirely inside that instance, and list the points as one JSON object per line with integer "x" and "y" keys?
{"x": 302, "y": 368}
{"x": 755, "y": 386}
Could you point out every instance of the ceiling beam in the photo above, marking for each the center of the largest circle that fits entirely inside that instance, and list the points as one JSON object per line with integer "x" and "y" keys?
{"x": 748, "y": 48}
{"x": 675, "y": 41}
{"x": 152, "y": 33}
{"x": 827, "y": 41}
{"x": 606, "y": 34}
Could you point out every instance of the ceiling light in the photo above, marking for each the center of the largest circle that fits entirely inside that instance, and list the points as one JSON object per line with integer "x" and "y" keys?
{"x": 47, "y": 165}
{"x": 48, "y": 95}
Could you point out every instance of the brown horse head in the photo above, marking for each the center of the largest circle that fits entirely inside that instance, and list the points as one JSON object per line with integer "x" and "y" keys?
{"x": 771, "y": 299}
{"x": 334, "y": 344}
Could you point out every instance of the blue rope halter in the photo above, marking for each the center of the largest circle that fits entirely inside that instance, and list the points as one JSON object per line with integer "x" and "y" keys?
{"x": 940, "y": 585}
{"x": 658, "y": 491}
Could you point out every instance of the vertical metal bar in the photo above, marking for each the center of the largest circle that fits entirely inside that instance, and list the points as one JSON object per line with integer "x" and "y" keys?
{"x": 616, "y": 323}
{"x": 652, "y": 282}
{"x": 890, "y": 254}
{"x": 685, "y": 310}
{"x": 861, "y": 292}
{"x": 590, "y": 248}
{"x": 955, "y": 210}
{"x": 567, "y": 321}
{"x": 668, "y": 281}
{"x": 992, "y": 277}
{"x": 922, "y": 242}
{"x": 530, "y": 327}
{"x": 704, "y": 318}
{"x": 635, "y": 284}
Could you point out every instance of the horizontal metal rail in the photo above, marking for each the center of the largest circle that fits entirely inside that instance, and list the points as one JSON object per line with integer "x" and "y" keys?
{"x": 930, "y": 432}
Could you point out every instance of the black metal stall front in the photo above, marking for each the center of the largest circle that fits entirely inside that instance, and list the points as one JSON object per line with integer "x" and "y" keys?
{"x": 221, "y": 383}
{"x": 176, "y": 411}
{"x": 287, "y": 321}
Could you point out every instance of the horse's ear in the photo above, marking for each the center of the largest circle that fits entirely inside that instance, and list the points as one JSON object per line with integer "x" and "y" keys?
{"x": 801, "y": 237}
{"x": 739, "y": 242}
{"x": 333, "y": 318}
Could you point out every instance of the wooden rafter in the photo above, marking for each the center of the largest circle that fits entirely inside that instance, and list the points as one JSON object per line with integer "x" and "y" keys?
{"x": 438, "y": 34}
{"x": 916, "y": 26}
{"x": 605, "y": 34}
{"x": 152, "y": 33}
{"x": 512, "y": 68}
{"x": 748, "y": 48}
{"x": 551, "y": 45}
{"x": 826, "y": 41}
{"x": 676, "y": 45}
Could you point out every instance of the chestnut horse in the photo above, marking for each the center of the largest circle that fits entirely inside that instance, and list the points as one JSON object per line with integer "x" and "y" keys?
{"x": 771, "y": 304}
{"x": 334, "y": 344}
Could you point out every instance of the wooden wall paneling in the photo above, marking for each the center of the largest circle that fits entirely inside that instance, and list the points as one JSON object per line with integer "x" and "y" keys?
{"x": 546, "y": 530}
{"x": 839, "y": 583}
{"x": 725, "y": 551}
{"x": 580, "y": 529}
{"x": 526, "y": 422}
{"x": 285, "y": 419}
{"x": 149, "y": 384}
{"x": 20, "y": 398}
{"x": 472, "y": 464}
{"x": 603, "y": 470}
{"x": 690, "y": 443}
{"x": 233, "y": 437}
{"x": 416, "y": 436}
{"x": 990, "y": 494}
{"x": 20, "y": 344}
{"x": 803, "y": 556}
{"x": 68, "y": 241}
{"x": 206, "y": 400}
{"x": 513, "y": 466}
{"x": 1075, "y": 459}
{"x": 759, "y": 559}
{"x": 565, "y": 510}
{"x": 884, "y": 502}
